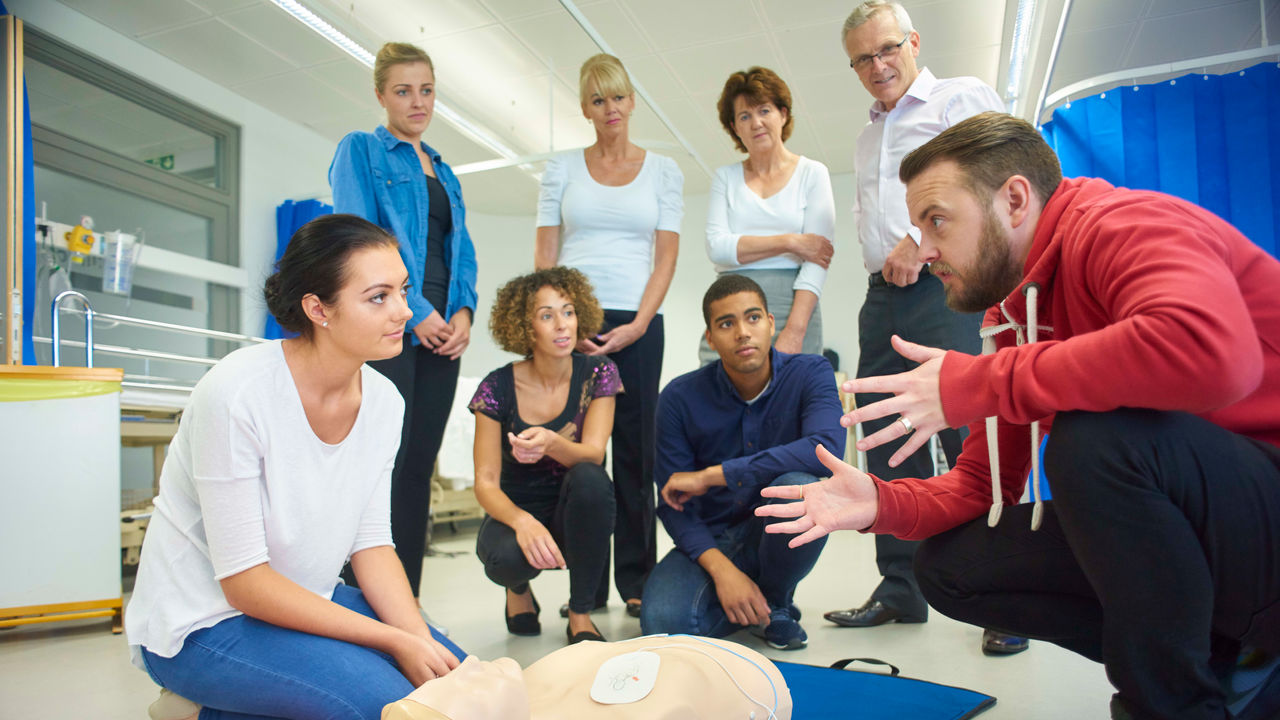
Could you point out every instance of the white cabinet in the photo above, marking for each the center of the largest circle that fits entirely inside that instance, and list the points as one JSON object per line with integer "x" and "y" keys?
{"x": 60, "y": 502}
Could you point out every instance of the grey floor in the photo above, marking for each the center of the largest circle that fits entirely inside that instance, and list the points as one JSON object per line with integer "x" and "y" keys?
{"x": 81, "y": 670}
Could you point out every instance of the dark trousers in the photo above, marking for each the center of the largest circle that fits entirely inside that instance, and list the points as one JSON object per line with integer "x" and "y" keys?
{"x": 681, "y": 596}
{"x": 918, "y": 314}
{"x": 1160, "y": 549}
{"x": 635, "y": 549}
{"x": 426, "y": 381}
{"x": 580, "y": 522}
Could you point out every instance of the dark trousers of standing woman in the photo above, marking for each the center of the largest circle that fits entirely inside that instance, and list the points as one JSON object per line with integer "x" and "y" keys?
{"x": 918, "y": 314}
{"x": 427, "y": 382}
{"x": 635, "y": 549}
{"x": 1159, "y": 550}
{"x": 580, "y": 521}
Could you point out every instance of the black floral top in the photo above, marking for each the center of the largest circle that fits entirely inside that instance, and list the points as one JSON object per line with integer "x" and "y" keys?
{"x": 593, "y": 377}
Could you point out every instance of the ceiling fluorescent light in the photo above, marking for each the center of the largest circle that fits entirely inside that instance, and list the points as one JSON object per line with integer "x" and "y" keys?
{"x": 366, "y": 58}
{"x": 1018, "y": 52}
{"x": 325, "y": 30}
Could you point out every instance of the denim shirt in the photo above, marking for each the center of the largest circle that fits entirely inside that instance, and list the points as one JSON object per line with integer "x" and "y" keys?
{"x": 702, "y": 421}
{"x": 379, "y": 177}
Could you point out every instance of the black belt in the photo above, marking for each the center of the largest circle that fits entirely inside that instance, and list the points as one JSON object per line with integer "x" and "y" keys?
{"x": 877, "y": 278}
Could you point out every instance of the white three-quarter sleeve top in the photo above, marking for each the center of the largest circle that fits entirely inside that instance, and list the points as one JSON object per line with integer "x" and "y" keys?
{"x": 803, "y": 205}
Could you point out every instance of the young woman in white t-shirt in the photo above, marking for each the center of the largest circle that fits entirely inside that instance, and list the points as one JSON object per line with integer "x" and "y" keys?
{"x": 771, "y": 217}
{"x": 278, "y": 475}
{"x": 613, "y": 212}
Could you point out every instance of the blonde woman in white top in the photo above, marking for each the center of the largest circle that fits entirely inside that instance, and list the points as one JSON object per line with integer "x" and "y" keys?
{"x": 280, "y": 473}
{"x": 613, "y": 211}
{"x": 771, "y": 217}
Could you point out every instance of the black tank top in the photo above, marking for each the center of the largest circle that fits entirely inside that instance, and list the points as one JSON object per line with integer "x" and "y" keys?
{"x": 435, "y": 275}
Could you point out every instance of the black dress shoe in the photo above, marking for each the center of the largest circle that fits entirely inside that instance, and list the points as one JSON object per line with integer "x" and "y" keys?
{"x": 525, "y": 623}
{"x": 633, "y": 608}
{"x": 873, "y": 612}
{"x": 995, "y": 642}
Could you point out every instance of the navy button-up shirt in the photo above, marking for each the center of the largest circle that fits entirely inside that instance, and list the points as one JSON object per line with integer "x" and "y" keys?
{"x": 702, "y": 421}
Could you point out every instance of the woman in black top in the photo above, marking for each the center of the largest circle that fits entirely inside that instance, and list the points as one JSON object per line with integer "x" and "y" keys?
{"x": 541, "y": 428}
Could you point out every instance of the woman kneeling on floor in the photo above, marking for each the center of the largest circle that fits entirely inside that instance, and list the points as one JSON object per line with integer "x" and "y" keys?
{"x": 279, "y": 473}
{"x": 541, "y": 428}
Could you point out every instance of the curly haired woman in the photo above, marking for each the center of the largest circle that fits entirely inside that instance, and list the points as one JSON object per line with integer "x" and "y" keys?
{"x": 541, "y": 428}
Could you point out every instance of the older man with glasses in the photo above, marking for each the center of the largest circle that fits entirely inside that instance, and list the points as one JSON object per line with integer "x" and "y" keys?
{"x": 903, "y": 298}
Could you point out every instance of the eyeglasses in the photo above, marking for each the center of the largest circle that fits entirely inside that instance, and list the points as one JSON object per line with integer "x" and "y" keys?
{"x": 887, "y": 53}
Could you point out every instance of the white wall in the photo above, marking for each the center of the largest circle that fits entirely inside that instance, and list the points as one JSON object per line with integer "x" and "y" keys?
{"x": 279, "y": 159}
{"x": 504, "y": 247}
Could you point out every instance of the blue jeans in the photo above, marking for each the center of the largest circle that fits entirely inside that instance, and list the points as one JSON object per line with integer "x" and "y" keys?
{"x": 680, "y": 597}
{"x": 242, "y": 668}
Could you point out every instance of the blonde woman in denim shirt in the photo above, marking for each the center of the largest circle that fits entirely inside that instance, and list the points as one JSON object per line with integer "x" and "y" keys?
{"x": 395, "y": 180}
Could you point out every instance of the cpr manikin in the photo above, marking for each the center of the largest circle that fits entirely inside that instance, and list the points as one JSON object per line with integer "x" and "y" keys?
{"x": 658, "y": 677}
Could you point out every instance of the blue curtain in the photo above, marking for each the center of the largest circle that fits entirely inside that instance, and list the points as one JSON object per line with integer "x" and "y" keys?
{"x": 1211, "y": 139}
{"x": 29, "y": 230}
{"x": 290, "y": 216}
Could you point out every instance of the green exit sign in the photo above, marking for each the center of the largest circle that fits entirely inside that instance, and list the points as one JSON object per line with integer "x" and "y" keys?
{"x": 164, "y": 162}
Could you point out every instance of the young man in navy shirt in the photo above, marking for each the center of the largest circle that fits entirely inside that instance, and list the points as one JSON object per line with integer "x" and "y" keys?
{"x": 748, "y": 421}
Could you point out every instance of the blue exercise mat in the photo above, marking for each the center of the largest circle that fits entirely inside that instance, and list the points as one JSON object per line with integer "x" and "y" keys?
{"x": 818, "y": 692}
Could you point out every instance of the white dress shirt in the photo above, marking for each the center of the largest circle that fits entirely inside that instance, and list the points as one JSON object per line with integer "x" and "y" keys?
{"x": 927, "y": 108}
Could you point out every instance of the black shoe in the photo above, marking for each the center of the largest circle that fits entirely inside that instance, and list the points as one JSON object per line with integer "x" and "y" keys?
{"x": 872, "y": 613}
{"x": 564, "y": 609}
{"x": 995, "y": 642}
{"x": 586, "y": 635}
{"x": 525, "y": 623}
{"x": 633, "y": 608}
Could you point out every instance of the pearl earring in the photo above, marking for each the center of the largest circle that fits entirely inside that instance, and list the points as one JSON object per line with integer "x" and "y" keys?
{"x": 324, "y": 324}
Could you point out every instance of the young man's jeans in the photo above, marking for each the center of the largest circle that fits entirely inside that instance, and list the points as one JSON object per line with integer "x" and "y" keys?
{"x": 680, "y": 596}
{"x": 245, "y": 669}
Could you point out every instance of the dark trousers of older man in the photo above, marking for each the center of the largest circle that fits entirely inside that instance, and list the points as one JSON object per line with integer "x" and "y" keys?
{"x": 917, "y": 313}
{"x": 1159, "y": 556}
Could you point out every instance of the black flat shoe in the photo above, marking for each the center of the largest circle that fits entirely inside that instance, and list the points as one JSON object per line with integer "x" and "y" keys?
{"x": 870, "y": 614}
{"x": 633, "y": 608}
{"x": 586, "y": 635}
{"x": 525, "y": 623}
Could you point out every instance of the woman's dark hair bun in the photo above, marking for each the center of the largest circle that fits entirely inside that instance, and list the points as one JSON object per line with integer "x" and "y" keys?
{"x": 314, "y": 263}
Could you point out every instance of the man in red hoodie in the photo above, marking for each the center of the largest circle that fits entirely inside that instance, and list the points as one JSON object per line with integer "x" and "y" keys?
{"x": 1146, "y": 331}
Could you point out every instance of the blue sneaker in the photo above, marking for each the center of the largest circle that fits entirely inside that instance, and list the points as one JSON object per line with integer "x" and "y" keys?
{"x": 1253, "y": 689}
{"x": 783, "y": 632}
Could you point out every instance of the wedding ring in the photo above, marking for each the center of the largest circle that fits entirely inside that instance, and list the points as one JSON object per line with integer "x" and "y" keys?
{"x": 906, "y": 424}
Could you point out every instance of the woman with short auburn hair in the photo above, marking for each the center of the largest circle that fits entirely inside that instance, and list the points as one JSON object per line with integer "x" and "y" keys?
{"x": 771, "y": 217}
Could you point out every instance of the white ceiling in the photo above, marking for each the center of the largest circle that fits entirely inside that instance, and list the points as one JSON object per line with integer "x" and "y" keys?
{"x": 511, "y": 66}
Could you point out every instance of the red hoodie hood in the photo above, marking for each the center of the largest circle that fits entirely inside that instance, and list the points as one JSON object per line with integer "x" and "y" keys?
{"x": 1046, "y": 246}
